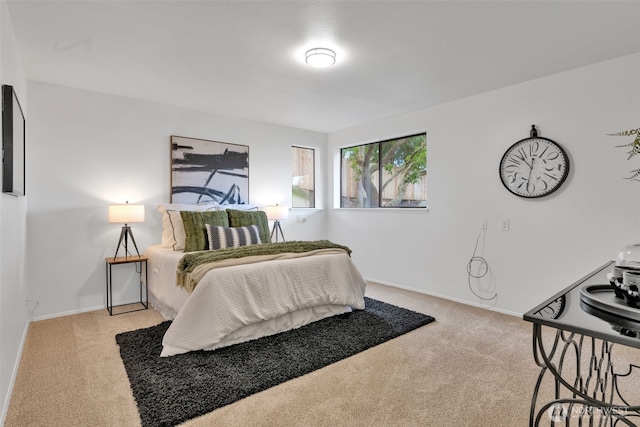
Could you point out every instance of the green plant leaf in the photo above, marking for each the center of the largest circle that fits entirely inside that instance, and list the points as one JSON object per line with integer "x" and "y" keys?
{"x": 626, "y": 132}
{"x": 635, "y": 175}
{"x": 634, "y": 148}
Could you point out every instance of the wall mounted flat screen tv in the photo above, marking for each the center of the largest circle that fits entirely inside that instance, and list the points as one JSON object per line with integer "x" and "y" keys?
{"x": 13, "y": 144}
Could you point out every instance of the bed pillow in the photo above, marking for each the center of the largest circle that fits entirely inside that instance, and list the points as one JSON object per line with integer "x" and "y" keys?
{"x": 232, "y": 237}
{"x": 175, "y": 231}
{"x": 194, "y": 227}
{"x": 172, "y": 224}
{"x": 244, "y": 218}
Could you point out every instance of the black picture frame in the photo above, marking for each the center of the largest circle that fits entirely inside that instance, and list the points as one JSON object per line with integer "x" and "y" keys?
{"x": 14, "y": 144}
{"x": 208, "y": 171}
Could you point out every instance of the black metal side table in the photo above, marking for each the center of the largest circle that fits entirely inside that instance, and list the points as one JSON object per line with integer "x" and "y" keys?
{"x": 109, "y": 263}
{"x": 578, "y": 361}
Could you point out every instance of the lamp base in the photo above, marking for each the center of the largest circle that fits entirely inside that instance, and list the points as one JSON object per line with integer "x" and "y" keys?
{"x": 276, "y": 229}
{"x": 124, "y": 237}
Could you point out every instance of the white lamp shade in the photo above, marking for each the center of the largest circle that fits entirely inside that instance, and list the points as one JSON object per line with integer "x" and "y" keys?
{"x": 126, "y": 213}
{"x": 320, "y": 57}
{"x": 276, "y": 213}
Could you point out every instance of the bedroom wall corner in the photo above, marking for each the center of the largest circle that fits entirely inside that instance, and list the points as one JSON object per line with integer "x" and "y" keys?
{"x": 13, "y": 213}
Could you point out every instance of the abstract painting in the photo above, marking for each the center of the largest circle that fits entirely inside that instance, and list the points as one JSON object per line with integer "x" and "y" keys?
{"x": 209, "y": 171}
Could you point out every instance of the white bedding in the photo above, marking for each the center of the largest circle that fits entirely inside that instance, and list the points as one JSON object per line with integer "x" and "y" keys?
{"x": 164, "y": 295}
{"x": 240, "y": 303}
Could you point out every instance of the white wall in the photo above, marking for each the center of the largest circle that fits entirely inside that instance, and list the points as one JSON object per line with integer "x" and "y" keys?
{"x": 553, "y": 241}
{"x": 13, "y": 314}
{"x": 88, "y": 150}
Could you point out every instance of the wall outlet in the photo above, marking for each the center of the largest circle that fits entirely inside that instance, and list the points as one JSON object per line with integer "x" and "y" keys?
{"x": 504, "y": 224}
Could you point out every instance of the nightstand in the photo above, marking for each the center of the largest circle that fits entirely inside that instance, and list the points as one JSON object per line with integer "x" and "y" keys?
{"x": 110, "y": 262}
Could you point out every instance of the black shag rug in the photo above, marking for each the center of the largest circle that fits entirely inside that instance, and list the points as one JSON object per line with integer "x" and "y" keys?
{"x": 172, "y": 390}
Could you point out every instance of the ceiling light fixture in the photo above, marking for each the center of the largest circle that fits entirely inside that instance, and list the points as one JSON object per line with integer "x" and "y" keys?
{"x": 320, "y": 57}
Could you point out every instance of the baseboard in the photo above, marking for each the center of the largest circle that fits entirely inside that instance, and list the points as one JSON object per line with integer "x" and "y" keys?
{"x": 14, "y": 374}
{"x": 78, "y": 311}
{"x": 447, "y": 297}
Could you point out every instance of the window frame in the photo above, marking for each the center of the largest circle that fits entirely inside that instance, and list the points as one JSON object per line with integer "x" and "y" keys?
{"x": 380, "y": 174}
{"x": 313, "y": 163}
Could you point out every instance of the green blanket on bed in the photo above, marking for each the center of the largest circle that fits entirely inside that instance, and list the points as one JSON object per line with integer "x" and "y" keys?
{"x": 193, "y": 259}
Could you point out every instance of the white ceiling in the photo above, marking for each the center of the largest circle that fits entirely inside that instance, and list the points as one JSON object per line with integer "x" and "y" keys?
{"x": 246, "y": 58}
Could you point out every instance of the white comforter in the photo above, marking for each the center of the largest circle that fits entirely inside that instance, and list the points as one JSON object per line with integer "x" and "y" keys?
{"x": 229, "y": 300}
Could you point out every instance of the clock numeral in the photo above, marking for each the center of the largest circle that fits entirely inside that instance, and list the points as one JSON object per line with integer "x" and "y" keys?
{"x": 544, "y": 151}
{"x": 551, "y": 176}
{"x": 524, "y": 181}
{"x": 523, "y": 154}
{"x": 553, "y": 155}
{"x": 515, "y": 160}
{"x": 511, "y": 179}
{"x": 531, "y": 187}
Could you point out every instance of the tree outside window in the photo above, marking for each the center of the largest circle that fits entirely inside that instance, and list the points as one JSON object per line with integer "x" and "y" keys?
{"x": 391, "y": 173}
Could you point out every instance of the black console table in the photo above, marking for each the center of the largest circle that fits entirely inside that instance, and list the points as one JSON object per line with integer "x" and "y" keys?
{"x": 577, "y": 358}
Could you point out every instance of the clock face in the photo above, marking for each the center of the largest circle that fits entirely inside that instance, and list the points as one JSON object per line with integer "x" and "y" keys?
{"x": 534, "y": 167}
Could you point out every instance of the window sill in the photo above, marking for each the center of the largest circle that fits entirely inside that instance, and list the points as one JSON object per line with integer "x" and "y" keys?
{"x": 385, "y": 210}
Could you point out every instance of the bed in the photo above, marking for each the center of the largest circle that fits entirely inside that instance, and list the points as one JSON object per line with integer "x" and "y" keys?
{"x": 253, "y": 291}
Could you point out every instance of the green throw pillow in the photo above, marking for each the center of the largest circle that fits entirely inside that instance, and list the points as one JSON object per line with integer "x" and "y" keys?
{"x": 194, "y": 228}
{"x": 244, "y": 218}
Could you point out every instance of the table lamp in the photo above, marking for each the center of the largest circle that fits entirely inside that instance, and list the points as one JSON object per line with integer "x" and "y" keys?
{"x": 126, "y": 214}
{"x": 275, "y": 214}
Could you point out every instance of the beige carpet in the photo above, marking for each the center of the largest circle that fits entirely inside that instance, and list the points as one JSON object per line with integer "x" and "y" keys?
{"x": 471, "y": 367}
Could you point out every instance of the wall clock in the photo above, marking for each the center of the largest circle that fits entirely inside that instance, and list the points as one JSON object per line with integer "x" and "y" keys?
{"x": 534, "y": 166}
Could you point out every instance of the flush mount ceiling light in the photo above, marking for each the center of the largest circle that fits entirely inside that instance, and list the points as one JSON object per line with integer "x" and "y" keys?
{"x": 320, "y": 57}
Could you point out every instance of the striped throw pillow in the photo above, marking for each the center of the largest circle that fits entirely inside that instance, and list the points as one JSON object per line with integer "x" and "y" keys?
{"x": 232, "y": 237}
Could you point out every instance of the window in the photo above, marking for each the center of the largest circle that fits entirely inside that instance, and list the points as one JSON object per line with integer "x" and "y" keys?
{"x": 303, "y": 186}
{"x": 386, "y": 174}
